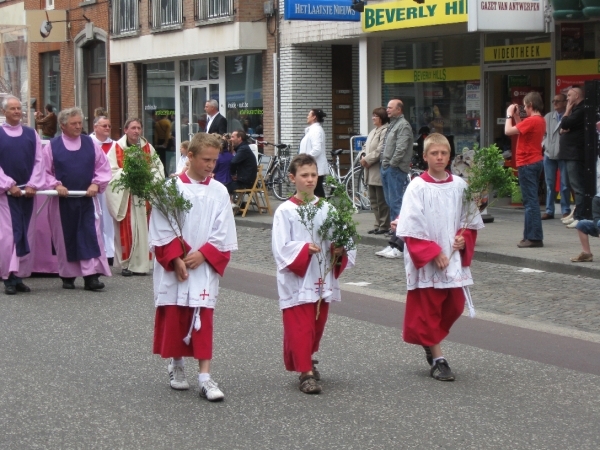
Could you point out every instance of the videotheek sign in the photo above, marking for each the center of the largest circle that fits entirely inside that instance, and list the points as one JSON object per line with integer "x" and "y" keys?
{"x": 332, "y": 10}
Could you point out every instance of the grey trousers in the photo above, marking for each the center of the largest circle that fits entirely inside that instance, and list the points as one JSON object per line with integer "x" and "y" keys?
{"x": 379, "y": 207}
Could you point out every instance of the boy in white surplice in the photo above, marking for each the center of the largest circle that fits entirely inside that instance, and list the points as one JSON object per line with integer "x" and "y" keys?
{"x": 186, "y": 284}
{"x": 439, "y": 253}
{"x": 300, "y": 269}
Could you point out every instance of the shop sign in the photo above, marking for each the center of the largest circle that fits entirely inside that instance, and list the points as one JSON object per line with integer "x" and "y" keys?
{"x": 473, "y": 96}
{"x": 408, "y": 14}
{"x": 432, "y": 75}
{"x": 509, "y": 15}
{"x": 575, "y": 72}
{"x": 513, "y": 52}
{"x": 329, "y": 10}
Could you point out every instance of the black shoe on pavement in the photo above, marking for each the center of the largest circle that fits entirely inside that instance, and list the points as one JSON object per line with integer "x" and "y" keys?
{"x": 428, "y": 355}
{"x": 441, "y": 371}
{"x": 126, "y": 273}
{"x": 373, "y": 231}
{"x": 92, "y": 283}
{"x": 22, "y": 287}
{"x": 10, "y": 290}
{"x": 381, "y": 232}
{"x": 68, "y": 283}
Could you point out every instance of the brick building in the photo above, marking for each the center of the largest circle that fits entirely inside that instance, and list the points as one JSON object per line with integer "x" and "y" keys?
{"x": 176, "y": 54}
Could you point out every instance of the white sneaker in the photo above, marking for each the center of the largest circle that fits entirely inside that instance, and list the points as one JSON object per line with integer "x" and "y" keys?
{"x": 568, "y": 220}
{"x": 177, "y": 377}
{"x": 384, "y": 251}
{"x": 210, "y": 391}
{"x": 395, "y": 253}
{"x": 573, "y": 224}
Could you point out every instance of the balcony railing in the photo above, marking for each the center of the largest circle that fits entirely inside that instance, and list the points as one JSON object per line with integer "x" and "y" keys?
{"x": 126, "y": 17}
{"x": 167, "y": 14}
{"x": 213, "y": 9}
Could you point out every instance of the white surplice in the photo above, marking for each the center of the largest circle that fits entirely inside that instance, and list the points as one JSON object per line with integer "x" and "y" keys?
{"x": 436, "y": 212}
{"x": 209, "y": 221}
{"x": 288, "y": 239}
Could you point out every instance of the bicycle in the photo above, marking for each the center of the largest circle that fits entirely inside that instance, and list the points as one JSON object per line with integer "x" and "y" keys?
{"x": 276, "y": 175}
{"x": 359, "y": 193}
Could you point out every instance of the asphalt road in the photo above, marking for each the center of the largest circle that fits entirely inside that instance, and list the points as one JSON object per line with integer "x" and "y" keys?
{"x": 79, "y": 374}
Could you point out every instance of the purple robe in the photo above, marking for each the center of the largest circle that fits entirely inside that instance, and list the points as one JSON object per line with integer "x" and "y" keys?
{"x": 26, "y": 167}
{"x": 98, "y": 168}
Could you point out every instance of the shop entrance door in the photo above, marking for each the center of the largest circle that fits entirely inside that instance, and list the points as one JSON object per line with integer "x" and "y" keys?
{"x": 192, "y": 100}
{"x": 504, "y": 87}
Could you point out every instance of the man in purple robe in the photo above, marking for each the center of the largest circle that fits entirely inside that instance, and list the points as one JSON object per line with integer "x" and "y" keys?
{"x": 75, "y": 163}
{"x": 20, "y": 169}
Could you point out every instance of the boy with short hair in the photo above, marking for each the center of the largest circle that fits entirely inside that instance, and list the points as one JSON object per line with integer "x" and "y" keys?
{"x": 300, "y": 271}
{"x": 186, "y": 282}
{"x": 431, "y": 220}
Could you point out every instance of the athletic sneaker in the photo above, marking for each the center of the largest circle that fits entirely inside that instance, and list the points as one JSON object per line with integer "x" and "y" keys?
{"x": 177, "y": 377}
{"x": 389, "y": 248}
{"x": 394, "y": 253}
{"x": 573, "y": 224}
{"x": 210, "y": 391}
{"x": 441, "y": 371}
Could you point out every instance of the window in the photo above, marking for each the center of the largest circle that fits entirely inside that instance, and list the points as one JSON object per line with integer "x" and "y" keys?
{"x": 96, "y": 59}
{"x": 243, "y": 78}
{"x": 167, "y": 14}
{"x": 51, "y": 79}
{"x": 125, "y": 17}
{"x": 49, "y": 4}
{"x": 213, "y": 9}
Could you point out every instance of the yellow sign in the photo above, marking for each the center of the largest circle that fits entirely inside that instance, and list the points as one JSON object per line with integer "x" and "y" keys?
{"x": 522, "y": 51}
{"x": 578, "y": 67}
{"x": 462, "y": 73}
{"x": 408, "y": 14}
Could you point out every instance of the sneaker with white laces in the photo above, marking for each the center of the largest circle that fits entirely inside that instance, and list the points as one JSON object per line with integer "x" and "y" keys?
{"x": 210, "y": 391}
{"x": 384, "y": 251}
{"x": 441, "y": 371}
{"x": 394, "y": 253}
{"x": 573, "y": 224}
{"x": 177, "y": 377}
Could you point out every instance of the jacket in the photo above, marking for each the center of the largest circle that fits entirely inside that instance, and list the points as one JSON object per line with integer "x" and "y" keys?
{"x": 244, "y": 164}
{"x": 218, "y": 125}
{"x": 373, "y": 148}
{"x": 572, "y": 143}
{"x": 398, "y": 149}
{"x": 47, "y": 124}
{"x": 552, "y": 136}
{"x": 313, "y": 143}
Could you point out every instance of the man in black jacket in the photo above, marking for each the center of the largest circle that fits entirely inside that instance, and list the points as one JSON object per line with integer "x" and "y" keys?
{"x": 244, "y": 166}
{"x": 571, "y": 148}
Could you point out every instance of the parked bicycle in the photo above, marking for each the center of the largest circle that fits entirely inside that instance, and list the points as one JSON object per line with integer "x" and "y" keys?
{"x": 276, "y": 175}
{"x": 359, "y": 192}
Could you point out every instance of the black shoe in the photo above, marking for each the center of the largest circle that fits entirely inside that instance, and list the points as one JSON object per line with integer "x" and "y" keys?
{"x": 92, "y": 283}
{"x": 428, "y": 355}
{"x": 22, "y": 287}
{"x": 441, "y": 371}
{"x": 10, "y": 290}
{"x": 373, "y": 231}
{"x": 381, "y": 232}
{"x": 68, "y": 283}
{"x": 126, "y": 273}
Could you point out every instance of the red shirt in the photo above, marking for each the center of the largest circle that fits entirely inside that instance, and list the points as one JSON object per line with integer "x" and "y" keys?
{"x": 529, "y": 141}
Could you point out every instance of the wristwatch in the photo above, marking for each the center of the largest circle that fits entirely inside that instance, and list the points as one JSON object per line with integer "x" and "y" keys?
{"x": 509, "y": 117}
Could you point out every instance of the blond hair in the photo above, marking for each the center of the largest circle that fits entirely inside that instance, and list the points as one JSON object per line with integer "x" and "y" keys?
{"x": 200, "y": 141}
{"x": 435, "y": 139}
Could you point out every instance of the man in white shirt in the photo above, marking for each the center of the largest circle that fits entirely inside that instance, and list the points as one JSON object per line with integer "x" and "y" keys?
{"x": 216, "y": 123}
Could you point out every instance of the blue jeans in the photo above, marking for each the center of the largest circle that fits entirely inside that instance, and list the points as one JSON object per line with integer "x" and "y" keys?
{"x": 550, "y": 168}
{"x": 394, "y": 184}
{"x": 529, "y": 177}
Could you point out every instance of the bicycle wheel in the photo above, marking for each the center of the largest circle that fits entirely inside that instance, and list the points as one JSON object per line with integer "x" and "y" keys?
{"x": 361, "y": 189}
{"x": 282, "y": 186}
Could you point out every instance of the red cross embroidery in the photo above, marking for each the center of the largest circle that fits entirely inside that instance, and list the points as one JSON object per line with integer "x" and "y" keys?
{"x": 319, "y": 284}
{"x": 204, "y": 294}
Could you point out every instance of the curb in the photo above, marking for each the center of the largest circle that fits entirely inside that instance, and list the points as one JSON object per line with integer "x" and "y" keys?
{"x": 482, "y": 256}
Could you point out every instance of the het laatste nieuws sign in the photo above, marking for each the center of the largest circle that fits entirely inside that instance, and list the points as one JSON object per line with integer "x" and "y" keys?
{"x": 327, "y": 10}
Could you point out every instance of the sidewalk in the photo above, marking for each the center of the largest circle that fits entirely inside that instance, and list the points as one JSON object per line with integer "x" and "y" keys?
{"x": 496, "y": 243}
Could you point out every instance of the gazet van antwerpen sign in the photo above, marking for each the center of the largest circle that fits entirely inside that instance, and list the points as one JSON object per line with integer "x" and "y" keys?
{"x": 408, "y": 14}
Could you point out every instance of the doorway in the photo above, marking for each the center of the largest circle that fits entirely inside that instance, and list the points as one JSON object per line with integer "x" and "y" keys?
{"x": 192, "y": 99}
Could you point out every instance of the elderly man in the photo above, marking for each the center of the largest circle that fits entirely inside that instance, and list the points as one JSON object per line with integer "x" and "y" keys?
{"x": 131, "y": 219}
{"x": 215, "y": 122}
{"x": 551, "y": 162}
{"x": 395, "y": 166}
{"x": 20, "y": 168}
{"x": 572, "y": 149}
{"x": 75, "y": 163}
{"x": 101, "y": 137}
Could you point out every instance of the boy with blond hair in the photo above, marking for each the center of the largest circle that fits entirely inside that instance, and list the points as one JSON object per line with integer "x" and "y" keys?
{"x": 186, "y": 281}
{"x": 439, "y": 231}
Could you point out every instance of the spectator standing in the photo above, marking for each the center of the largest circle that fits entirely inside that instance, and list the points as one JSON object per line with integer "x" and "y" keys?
{"x": 370, "y": 162}
{"x": 46, "y": 122}
{"x": 587, "y": 228}
{"x": 215, "y": 122}
{"x": 552, "y": 163}
{"x": 571, "y": 149}
{"x": 313, "y": 144}
{"x": 530, "y": 133}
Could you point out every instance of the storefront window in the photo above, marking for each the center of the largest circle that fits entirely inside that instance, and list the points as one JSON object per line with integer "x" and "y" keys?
{"x": 243, "y": 78}
{"x": 438, "y": 81}
{"x": 51, "y": 74}
{"x": 159, "y": 110}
